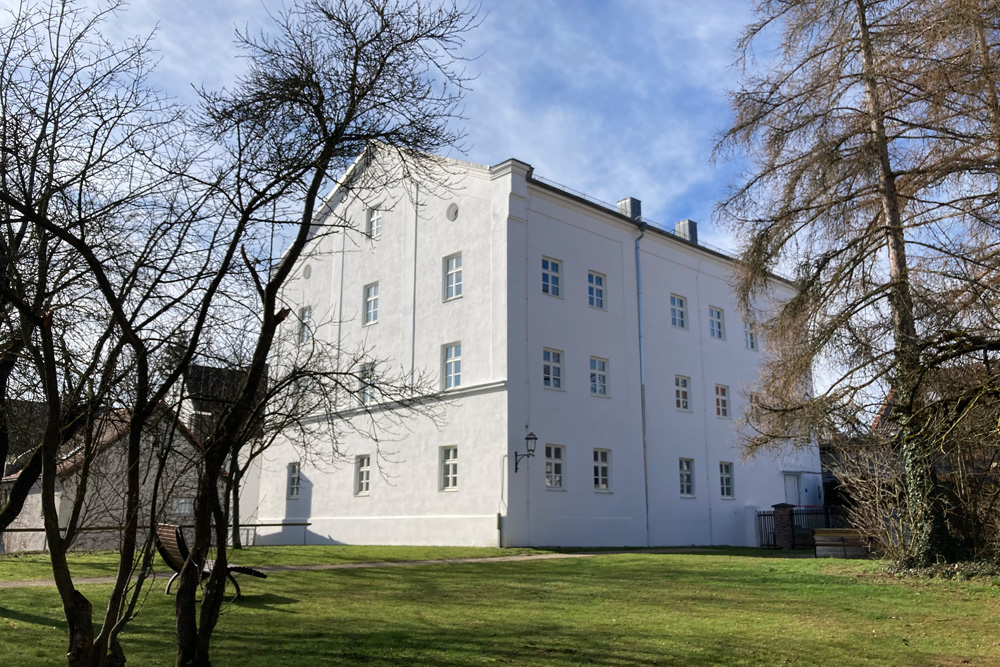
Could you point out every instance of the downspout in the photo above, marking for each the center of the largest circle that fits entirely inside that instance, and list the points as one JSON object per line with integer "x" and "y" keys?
{"x": 413, "y": 305}
{"x": 642, "y": 376}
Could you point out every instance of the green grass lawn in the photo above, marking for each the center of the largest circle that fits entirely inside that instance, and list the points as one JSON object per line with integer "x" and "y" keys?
{"x": 615, "y": 609}
{"x": 36, "y": 566}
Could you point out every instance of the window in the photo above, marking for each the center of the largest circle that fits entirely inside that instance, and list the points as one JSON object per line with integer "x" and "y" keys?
{"x": 715, "y": 323}
{"x": 371, "y": 303}
{"x": 452, "y": 277}
{"x": 182, "y": 506}
{"x": 362, "y": 474}
{"x": 681, "y": 387}
{"x": 726, "y": 479}
{"x": 598, "y": 376}
{"x": 602, "y": 469}
{"x": 305, "y": 325}
{"x": 678, "y": 311}
{"x": 687, "y": 477}
{"x": 374, "y": 225}
{"x": 449, "y": 468}
{"x": 554, "y": 457}
{"x": 550, "y": 276}
{"x": 595, "y": 290}
{"x": 552, "y": 369}
{"x": 367, "y": 380}
{"x": 452, "y": 365}
{"x": 722, "y": 401}
{"x": 749, "y": 336}
{"x": 294, "y": 480}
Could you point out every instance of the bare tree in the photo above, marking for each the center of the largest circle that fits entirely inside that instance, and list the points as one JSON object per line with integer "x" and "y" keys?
{"x": 874, "y": 180}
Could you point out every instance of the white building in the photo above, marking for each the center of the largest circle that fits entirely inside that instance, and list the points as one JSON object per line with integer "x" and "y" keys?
{"x": 540, "y": 311}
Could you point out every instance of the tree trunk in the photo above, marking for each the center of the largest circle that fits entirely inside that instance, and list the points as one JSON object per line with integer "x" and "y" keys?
{"x": 926, "y": 541}
{"x": 235, "y": 475}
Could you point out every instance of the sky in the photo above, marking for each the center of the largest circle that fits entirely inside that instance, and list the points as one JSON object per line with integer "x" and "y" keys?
{"x": 611, "y": 99}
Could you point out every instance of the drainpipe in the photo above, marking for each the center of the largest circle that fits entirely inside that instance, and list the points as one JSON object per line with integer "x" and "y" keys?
{"x": 642, "y": 376}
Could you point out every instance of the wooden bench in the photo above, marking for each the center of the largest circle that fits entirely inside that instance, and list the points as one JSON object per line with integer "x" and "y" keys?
{"x": 840, "y": 543}
{"x": 174, "y": 551}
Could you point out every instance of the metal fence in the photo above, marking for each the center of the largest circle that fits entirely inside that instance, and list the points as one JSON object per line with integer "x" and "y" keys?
{"x": 805, "y": 520}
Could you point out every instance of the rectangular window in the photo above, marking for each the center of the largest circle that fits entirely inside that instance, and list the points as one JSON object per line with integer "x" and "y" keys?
{"x": 687, "y": 477}
{"x": 305, "y": 325}
{"x": 550, "y": 276}
{"x": 371, "y": 303}
{"x": 715, "y": 323}
{"x": 749, "y": 336}
{"x": 552, "y": 368}
{"x": 598, "y": 376}
{"x": 595, "y": 290}
{"x": 367, "y": 382}
{"x": 554, "y": 457}
{"x": 602, "y": 469}
{"x": 726, "y": 479}
{"x": 681, "y": 387}
{"x": 722, "y": 401}
{"x": 678, "y": 311}
{"x": 294, "y": 479}
{"x": 374, "y": 225}
{"x": 449, "y": 468}
{"x": 183, "y": 506}
{"x": 452, "y": 365}
{"x": 452, "y": 277}
{"x": 362, "y": 474}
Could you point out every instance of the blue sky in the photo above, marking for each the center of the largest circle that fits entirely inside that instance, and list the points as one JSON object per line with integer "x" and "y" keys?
{"x": 612, "y": 99}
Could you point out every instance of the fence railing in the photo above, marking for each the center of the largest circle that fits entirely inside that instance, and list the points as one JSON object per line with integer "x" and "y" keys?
{"x": 804, "y": 519}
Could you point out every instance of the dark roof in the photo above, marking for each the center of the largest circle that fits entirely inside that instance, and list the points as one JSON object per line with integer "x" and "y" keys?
{"x": 26, "y": 422}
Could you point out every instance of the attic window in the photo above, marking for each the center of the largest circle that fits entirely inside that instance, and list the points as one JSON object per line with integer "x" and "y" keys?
{"x": 307, "y": 272}
{"x": 452, "y": 212}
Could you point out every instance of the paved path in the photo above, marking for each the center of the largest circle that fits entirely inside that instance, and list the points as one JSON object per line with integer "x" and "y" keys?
{"x": 405, "y": 563}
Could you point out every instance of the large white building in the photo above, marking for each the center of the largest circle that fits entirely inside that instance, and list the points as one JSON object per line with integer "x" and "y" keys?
{"x": 619, "y": 345}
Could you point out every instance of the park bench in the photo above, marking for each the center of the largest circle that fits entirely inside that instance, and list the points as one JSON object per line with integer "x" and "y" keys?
{"x": 840, "y": 543}
{"x": 174, "y": 551}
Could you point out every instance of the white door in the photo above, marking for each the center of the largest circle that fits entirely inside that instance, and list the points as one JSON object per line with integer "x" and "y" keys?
{"x": 792, "y": 489}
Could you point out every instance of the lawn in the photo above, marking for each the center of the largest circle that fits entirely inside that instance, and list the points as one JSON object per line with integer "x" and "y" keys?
{"x": 614, "y": 609}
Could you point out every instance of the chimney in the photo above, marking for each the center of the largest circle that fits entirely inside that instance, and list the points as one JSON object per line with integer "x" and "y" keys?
{"x": 631, "y": 208}
{"x": 687, "y": 230}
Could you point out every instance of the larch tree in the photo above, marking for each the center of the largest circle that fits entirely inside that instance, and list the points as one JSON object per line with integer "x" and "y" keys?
{"x": 873, "y": 177}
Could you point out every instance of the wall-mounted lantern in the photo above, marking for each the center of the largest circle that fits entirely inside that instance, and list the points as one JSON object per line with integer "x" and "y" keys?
{"x": 529, "y": 445}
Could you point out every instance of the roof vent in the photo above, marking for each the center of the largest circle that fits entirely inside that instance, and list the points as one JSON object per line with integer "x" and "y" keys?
{"x": 687, "y": 230}
{"x": 631, "y": 208}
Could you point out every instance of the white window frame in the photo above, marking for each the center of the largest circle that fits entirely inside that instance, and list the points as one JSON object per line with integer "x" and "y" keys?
{"x": 182, "y": 506}
{"x": 373, "y": 223}
{"x": 305, "y": 325}
{"x": 555, "y": 467}
{"x": 367, "y": 382}
{"x": 686, "y": 469}
{"x": 602, "y": 470}
{"x": 599, "y": 377}
{"x": 682, "y": 392}
{"x": 451, "y": 355}
{"x": 552, "y": 277}
{"x": 371, "y": 295}
{"x": 552, "y": 369}
{"x": 596, "y": 283}
{"x": 294, "y": 480}
{"x": 726, "y": 479}
{"x": 716, "y": 323}
{"x": 749, "y": 335}
{"x": 453, "y": 277}
{"x": 362, "y": 474}
{"x": 448, "y": 465}
{"x": 678, "y": 311}
{"x": 722, "y": 401}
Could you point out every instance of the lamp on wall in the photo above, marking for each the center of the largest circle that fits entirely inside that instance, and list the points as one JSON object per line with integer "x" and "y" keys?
{"x": 529, "y": 445}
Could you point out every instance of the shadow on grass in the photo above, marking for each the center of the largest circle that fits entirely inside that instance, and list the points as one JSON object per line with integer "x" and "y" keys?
{"x": 31, "y": 618}
{"x": 262, "y": 601}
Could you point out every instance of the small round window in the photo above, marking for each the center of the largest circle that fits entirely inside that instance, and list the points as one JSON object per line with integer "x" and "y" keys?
{"x": 306, "y": 272}
{"x": 453, "y": 212}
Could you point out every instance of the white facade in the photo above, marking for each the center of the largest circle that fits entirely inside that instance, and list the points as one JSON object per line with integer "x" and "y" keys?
{"x": 603, "y": 483}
